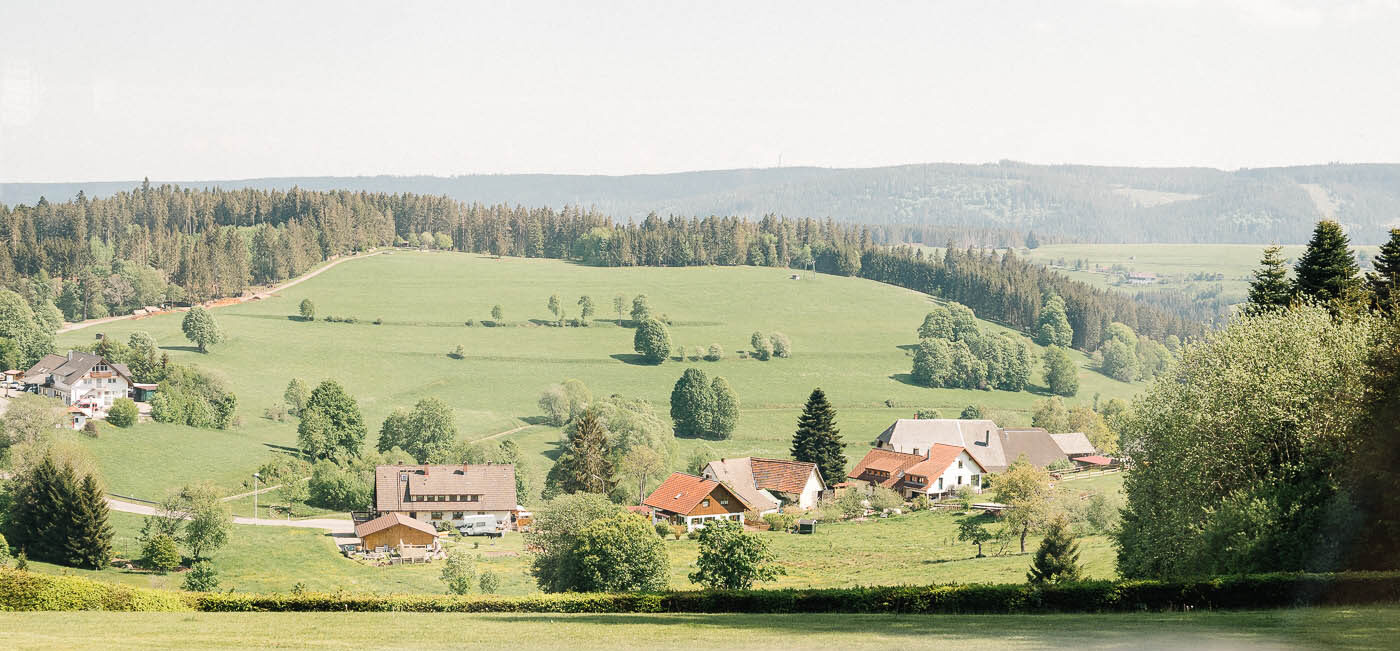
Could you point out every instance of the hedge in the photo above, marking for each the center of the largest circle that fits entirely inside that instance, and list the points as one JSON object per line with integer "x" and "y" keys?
{"x": 21, "y": 590}
{"x": 27, "y": 591}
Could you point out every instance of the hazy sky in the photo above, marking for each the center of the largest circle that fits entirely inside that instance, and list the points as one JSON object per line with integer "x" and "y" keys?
{"x": 218, "y": 90}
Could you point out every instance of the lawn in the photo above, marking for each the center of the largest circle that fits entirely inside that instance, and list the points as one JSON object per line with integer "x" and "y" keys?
{"x": 1374, "y": 627}
{"x": 914, "y": 548}
{"x": 850, "y": 337}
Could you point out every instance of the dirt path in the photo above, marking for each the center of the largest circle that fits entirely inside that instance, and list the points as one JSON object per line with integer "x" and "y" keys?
{"x": 266, "y": 293}
{"x": 505, "y": 433}
{"x": 332, "y": 525}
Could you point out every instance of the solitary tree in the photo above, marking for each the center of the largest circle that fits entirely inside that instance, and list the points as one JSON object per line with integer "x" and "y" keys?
{"x": 123, "y": 412}
{"x": 1270, "y": 288}
{"x": 782, "y": 346}
{"x": 620, "y": 553}
{"x": 619, "y": 303}
{"x": 652, "y": 341}
{"x": 1060, "y": 372}
{"x": 554, "y": 304}
{"x": 497, "y": 313}
{"x": 210, "y": 521}
{"x": 641, "y": 309}
{"x": 295, "y": 395}
{"x": 817, "y": 440}
{"x": 1327, "y": 271}
{"x": 693, "y": 403}
{"x": 971, "y": 412}
{"x": 308, "y": 310}
{"x": 726, "y": 415}
{"x": 731, "y": 559}
{"x": 1052, "y": 326}
{"x": 331, "y": 423}
{"x": 199, "y": 327}
{"x": 202, "y": 577}
{"x": 762, "y": 346}
{"x": 585, "y": 308}
{"x": 459, "y": 570}
{"x": 971, "y": 529}
{"x": 1057, "y": 560}
{"x": 1025, "y": 490}
{"x": 586, "y": 464}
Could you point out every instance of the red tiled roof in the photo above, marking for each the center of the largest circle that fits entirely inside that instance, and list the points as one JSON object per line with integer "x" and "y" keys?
{"x": 782, "y": 475}
{"x": 1095, "y": 459}
{"x": 391, "y": 520}
{"x": 642, "y": 510}
{"x": 939, "y": 458}
{"x": 680, "y": 493}
{"x": 886, "y": 460}
{"x": 494, "y": 483}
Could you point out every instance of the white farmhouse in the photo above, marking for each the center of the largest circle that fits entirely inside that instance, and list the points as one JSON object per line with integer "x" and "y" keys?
{"x": 82, "y": 380}
{"x": 940, "y": 470}
{"x": 768, "y": 484}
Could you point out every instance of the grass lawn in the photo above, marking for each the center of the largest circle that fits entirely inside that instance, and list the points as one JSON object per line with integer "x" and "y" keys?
{"x": 850, "y": 337}
{"x": 1375, "y": 627}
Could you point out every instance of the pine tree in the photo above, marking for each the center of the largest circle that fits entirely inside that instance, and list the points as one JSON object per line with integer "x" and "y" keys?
{"x": 1327, "y": 271}
{"x": 586, "y": 465}
{"x": 34, "y": 516}
{"x": 1270, "y": 288}
{"x": 818, "y": 441}
{"x": 1057, "y": 560}
{"x": 89, "y": 541}
{"x": 1386, "y": 278}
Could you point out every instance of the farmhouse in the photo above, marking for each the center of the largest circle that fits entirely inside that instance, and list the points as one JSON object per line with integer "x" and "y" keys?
{"x": 84, "y": 380}
{"x": 942, "y": 469}
{"x": 443, "y": 493}
{"x": 768, "y": 484}
{"x": 1074, "y": 444}
{"x": 994, "y": 448}
{"x": 693, "y": 501}
{"x": 394, "y": 530}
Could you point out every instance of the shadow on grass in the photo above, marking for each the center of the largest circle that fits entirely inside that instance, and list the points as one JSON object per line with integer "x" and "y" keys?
{"x": 632, "y": 358}
{"x": 908, "y": 348}
{"x": 906, "y": 378}
{"x": 285, "y": 449}
{"x": 185, "y": 349}
{"x": 533, "y": 420}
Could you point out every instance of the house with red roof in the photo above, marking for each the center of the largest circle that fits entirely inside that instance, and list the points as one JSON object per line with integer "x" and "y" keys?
{"x": 941, "y": 470}
{"x": 769, "y": 484}
{"x": 693, "y": 501}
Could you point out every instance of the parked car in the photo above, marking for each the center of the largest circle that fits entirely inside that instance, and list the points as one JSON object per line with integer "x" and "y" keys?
{"x": 479, "y": 525}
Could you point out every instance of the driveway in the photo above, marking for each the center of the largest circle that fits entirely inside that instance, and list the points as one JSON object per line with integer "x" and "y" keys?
{"x": 335, "y": 526}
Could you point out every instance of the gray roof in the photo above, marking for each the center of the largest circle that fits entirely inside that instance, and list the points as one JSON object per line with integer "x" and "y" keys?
{"x": 737, "y": 475}
{"x": 980, "y": 438}
{"x": 1074, "y": 443}
{"x": 67, "y": 370}
{"x": 1034, "y": 443}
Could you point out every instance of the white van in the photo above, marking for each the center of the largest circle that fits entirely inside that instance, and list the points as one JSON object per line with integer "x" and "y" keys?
{"x": 479, "y": 525}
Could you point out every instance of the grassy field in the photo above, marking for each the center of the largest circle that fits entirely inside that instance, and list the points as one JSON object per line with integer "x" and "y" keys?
{"x": 915, "y": 548}
{"x": 1376, "y": 627}
{"x": 850, "y": 337}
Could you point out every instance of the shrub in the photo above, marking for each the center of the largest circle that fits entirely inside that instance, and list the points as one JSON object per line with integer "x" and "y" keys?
{"x": 489, "y": 583}
{"x": 780, "y": 521}
{"x": 663, "y": 530}
{"x": 378, "y": 321}
{"x": 471, "y": 322}
{"x": 782, "y": 346}
{"x": 884, "y": 499}
{"x": 90, "y": 429}
{"x": 123, "y": 412}
{"x": 715, "y": 353}
{"x": 851, "y": 503}
{"x": 921, "y": 503}
{"x": 923, "y": 414}
{"x": 1059, "y": 464}
{"x": 202, "y": 577}
{"x": 458, "y": 353}
{"x": 25, "y": 591}
{"x": 677, "y": 530}
{"x": 762, "y": 346}
{"x": 732, "y": 559}
{"x": 161, "y": 553}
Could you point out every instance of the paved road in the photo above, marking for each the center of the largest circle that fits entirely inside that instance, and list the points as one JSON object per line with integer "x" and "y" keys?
{"x": 335, "y": 526}
{"x": 69, "y": 327}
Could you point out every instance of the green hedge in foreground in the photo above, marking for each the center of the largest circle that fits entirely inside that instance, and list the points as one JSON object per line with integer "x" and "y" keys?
{"x": 25, "y": 591}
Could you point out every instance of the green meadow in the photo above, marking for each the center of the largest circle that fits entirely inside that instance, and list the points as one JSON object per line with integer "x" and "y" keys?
{"x": 850, "y": 337}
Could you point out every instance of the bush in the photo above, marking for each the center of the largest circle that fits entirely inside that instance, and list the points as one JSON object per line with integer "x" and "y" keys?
{"x": 782, "y": 346}
{"x": 884, "y": 499}
{"x": 90, "y": 428}
{"x": 123, "y": 412}
{"x": 202, "y": 577}
{"x": 663, "y": 530}
{"x": 490, "y": 583}
{"x": 762, "y": 346}
{"x": 780, "y": 521}
{"x": 921, "y": 503}
{"x": 715, "y": 353}
{"x": 161, "y": 553}
{"x": 25, "y": 591}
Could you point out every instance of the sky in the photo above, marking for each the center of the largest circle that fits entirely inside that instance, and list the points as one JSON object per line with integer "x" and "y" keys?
{"x": 193, "y": 90}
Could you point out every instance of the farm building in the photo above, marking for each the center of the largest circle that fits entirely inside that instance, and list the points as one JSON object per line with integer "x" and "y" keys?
{"x": 1074, "y": 444}
{"x": 941, "y": 470}
{"x": 994, "y": 448}
{"x": 693, "y": 501}
{"x": 393, "y": 530}
{"x": 768, "y": 484}
{"x": 444, "y": 493}
{"x": 79, "y": 379}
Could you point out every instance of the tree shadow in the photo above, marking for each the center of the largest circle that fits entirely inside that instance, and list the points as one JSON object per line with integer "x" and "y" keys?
{"x": 1038, "y": 390}
{"x": 632, "y": 358}
{"x": 285, "y": 449}
{"x": 907, "y": 378}
{"x": 186, "y": 349}
{"x": 533, "y": 420}
{"x": 908, "y": 347}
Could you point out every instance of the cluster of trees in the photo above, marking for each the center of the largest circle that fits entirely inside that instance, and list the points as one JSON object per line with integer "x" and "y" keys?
{"x": 585, "y": 310}
{"x": 765, "y": 347}
{"x": 1272, "y": 446}
{"x": 704, "y": 408}
{"x": 1328, "y": 274}
{"x": 186, "y": 395}
{"x": 585, "y": 543}
{"x": 608, "y": 442}
{"x": 1099, "y": 422}
{"x": 1128, "y": 357}
{"x": 193, "y": 519}
{"x": 28, "y": 321}
{"x": 1011, "y": 291}
{"x": 57, "y": 513}
{"x": 953, "y": 352}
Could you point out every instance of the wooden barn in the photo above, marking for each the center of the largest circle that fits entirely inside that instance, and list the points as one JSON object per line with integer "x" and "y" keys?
{"x": 393, "y": 530}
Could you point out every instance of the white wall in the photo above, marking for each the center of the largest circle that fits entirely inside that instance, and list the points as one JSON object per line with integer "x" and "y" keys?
{"x": 952, "y": 476}
{"x": 811, "y": 492}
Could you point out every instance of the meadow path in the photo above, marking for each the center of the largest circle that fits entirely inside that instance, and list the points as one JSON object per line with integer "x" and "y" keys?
{"x": 335, "y": 526}
{"x": 69, "y": 327}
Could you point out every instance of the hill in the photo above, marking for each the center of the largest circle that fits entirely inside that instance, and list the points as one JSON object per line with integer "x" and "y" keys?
{"x": 851, "y": 337}
{"x": 992, "y": 204}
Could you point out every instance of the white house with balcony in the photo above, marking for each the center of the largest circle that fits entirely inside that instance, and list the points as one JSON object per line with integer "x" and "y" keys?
{"x": 84, "y": 380}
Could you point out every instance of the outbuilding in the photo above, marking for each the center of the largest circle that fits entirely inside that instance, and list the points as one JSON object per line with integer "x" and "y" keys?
{"x": 396, "y": 530}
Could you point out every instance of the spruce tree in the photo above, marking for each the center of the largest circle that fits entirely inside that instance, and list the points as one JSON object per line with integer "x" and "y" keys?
{"x": 1386, "y": 278}
{"x": 1270, "y": 289}
{"x": 818, "y": 441}
{"x": 585, "y": 465}
{"x": 1057, "y": 560}
{"x": 34, "y": 515}
{"x": 1327, "y": 271}
{"x": 89, "y": 542}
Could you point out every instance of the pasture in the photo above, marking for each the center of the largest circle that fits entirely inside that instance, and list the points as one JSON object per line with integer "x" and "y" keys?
{"x": 850, "y": 336}
{"x": 1371, "y": 627}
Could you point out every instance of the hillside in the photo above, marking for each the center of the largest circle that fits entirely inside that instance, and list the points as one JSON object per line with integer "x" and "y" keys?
{"x": 993, "y": 204}
{"x": 851, "y": 337}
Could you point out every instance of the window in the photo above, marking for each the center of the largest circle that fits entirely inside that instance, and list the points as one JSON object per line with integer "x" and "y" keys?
{"x": 705, "y": 502}
{"x": 437, "y": 515}
{"x": 976, "y": 480}
{"x": 456, "y": 515}
{"x": 413, "y": 514}
{"x": 960, "y": 478}
{"x": 940, "y": 483}
{"x": 724, "y": 502}
{"x": 916, "y": 450}
{"x": 959, "y": 464}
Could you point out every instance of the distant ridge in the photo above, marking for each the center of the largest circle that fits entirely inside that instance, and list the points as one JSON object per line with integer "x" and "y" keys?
{"x": 1058, "y": 202}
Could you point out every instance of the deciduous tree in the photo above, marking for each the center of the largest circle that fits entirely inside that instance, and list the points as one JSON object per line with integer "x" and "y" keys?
{"x": 731, "y": 559}
{"x": 200, "y": 327}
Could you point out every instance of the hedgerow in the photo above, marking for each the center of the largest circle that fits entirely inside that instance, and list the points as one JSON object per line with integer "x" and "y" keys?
{"x": 28, "y": 591}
